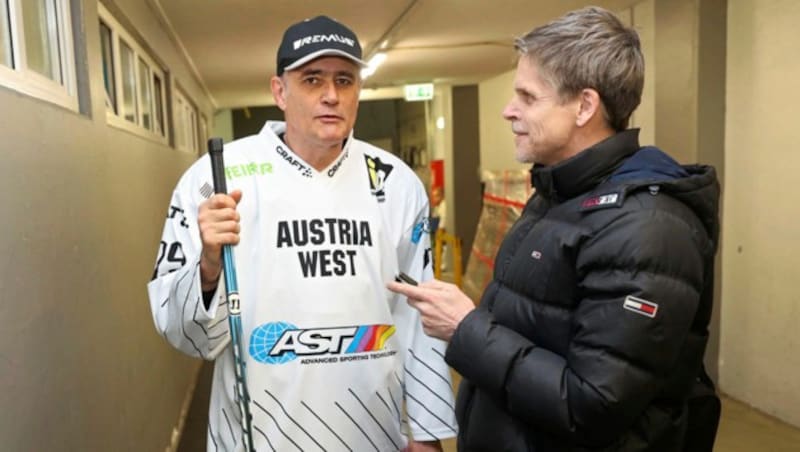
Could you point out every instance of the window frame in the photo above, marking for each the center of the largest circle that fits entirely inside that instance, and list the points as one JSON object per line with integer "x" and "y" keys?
{"x": 186, "y": 126}
{"x": 21, "y": 78}
{"x": 115, "y": 114}
{"x": 204, "y": 134}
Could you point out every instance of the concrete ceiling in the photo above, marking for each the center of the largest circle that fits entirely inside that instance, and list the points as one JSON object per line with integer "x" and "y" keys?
{"x": 232, "y": 43}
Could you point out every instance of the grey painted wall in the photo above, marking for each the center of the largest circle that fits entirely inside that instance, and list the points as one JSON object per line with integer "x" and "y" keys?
{"x": 81, "y": 364}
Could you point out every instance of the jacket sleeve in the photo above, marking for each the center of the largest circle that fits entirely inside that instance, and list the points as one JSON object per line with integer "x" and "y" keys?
{"x": 617, "y": 359}
{"x": 176, "y": 299}
{"x": 428, "y": 389}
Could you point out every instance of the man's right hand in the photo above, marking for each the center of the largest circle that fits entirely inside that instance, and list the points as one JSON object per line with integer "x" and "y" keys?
{"x": 218, "y": 222}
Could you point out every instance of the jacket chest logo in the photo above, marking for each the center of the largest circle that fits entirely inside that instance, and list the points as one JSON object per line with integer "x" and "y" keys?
{"x": 640, "y": 306}
{"x": 602, "y": 200}
{"x": 613, "y": 199}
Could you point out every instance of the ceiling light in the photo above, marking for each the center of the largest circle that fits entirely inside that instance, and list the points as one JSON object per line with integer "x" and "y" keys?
{"x": 373, "y": 64}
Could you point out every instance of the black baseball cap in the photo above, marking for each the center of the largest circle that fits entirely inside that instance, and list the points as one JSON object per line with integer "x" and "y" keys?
{"x": 314, "y": 38}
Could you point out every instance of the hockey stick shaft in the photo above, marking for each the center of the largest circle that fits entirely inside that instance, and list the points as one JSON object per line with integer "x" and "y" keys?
{"x": 234, "y": 309}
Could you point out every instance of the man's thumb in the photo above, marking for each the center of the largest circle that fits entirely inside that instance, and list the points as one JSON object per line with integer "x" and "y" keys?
{"x": 236, "y": 195}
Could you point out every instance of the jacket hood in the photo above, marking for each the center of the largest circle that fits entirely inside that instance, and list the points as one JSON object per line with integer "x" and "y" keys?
{"x": 700, "y": 191}
{"x": 694, "y": 185}
{"x": 649, "y": 163}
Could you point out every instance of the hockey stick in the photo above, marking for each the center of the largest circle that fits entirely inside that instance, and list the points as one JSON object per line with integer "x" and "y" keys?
{"x": 234, "y": 312}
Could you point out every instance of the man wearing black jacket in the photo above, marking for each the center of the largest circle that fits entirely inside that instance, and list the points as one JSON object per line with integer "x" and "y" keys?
{"x": 592, "y": 332}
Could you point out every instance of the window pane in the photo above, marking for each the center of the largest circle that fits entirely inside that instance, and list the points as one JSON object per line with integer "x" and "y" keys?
{"x": 159, "y": 106}
{"x": 108, "y": 67}
{"x": 128, "y": 74}
{"x": 147, "y": 98}
{"x": 180, "y": 127}
{"x": 5, "y": 36}
{"x": 203, "y": 133}
{"x": 192, "y": 130}
{"x": 41, "y": 37}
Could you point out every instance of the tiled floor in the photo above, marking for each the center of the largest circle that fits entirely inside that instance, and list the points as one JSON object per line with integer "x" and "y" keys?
{"x": 742, "y": 429}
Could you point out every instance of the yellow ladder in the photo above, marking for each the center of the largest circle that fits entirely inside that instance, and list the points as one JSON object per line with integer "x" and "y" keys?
{"x": 443, "y": 237}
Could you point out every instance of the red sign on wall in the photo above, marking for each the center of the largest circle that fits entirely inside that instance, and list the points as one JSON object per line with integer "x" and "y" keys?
{"x": 437, "y": 182}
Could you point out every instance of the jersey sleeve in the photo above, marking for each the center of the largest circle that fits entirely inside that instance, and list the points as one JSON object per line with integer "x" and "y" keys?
{"x": 176, "y": 297}
{"x": 428, "y": 388}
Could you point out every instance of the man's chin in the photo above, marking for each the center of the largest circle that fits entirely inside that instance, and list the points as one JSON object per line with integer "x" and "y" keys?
{"x": 333, "y": 136}
{"x": 524, "y": 157}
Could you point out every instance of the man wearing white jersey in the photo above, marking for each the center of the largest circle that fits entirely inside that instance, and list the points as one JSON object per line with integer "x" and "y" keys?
{"x": 321, "y": 221}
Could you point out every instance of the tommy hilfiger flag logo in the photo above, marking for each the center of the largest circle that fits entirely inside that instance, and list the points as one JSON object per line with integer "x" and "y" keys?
{"x": 640, "y": 306}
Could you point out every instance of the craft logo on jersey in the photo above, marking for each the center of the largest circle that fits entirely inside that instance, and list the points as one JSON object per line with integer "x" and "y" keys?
{"x": 304, "y": 169}
{"x": 281, "y": 342}
{"x": 378, "y": 173}
{"x": 338, "y": 164}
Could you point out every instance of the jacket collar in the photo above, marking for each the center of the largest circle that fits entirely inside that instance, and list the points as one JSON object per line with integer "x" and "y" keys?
{"x": 585, "y": 170}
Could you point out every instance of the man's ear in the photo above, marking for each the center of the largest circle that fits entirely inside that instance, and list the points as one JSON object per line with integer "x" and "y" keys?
{"x": 590, "y": 106}
{"x": 278, "y": 91}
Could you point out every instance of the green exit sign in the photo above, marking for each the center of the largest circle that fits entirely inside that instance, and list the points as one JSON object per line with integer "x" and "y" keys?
{"x": 422, "y": 91}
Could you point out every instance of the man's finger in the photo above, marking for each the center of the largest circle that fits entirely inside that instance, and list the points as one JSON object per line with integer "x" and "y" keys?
{"x": 435, "y": 284}
{"x": 416, "y": 304}
{"x": 222, "y": 227}
{"x": 407, "y": 290}
{"x": 219, "y": 216}
{"x": 221, "y": 200}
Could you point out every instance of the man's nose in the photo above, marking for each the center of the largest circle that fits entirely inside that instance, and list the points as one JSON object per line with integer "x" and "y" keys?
{"x": 330, "y": 95}
{"x": 510, "y": 112}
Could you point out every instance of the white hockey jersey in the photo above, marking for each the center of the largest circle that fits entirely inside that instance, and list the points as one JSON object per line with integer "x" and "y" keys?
{"x": 334, "y": 360}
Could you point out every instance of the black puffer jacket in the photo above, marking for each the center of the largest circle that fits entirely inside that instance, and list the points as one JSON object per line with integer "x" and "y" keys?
{"x": 595, "y": 325}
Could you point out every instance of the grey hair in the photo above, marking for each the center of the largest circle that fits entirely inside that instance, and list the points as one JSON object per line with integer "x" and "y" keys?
{"x": 590, "y": 48}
